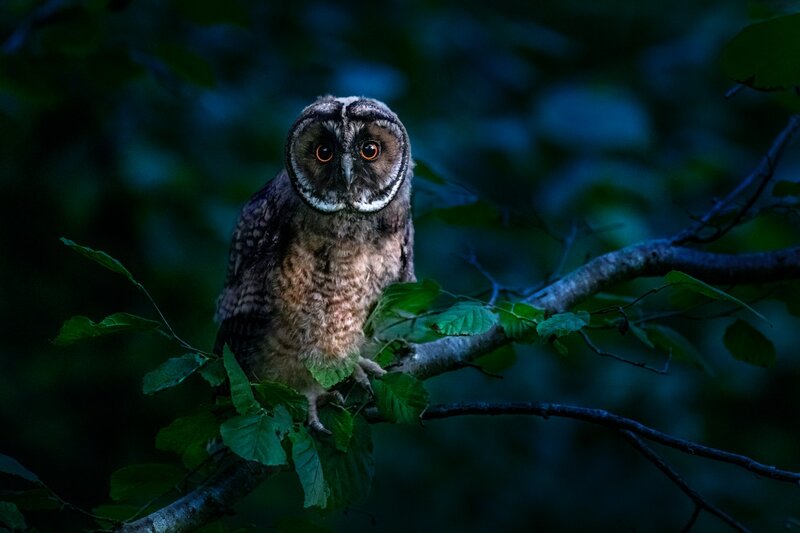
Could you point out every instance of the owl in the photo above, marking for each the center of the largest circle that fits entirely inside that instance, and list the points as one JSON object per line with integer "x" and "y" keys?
{"x": 315, "y": 247}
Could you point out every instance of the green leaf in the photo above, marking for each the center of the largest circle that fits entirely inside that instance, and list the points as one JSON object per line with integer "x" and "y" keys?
{"x": 498, "y": 360}
{"x": 672, "y": 342}
{"x": 765, "y": 55}
{"x": 413, "y": 329}
{"x": 348, "y": 474}
{"x": 786, "y": 188}
{"x": 11, "y": 517}
{"x": 9, "y": 465}
{"x": 143, "y": 482}
{"x": 257, "y": 436}
{"x": 308, "y": 466}
{"x": 640, "y": 334}
{"x": 390, "y": 352}
{"x": 241, "y": 392}
{"x": 338, "y": 421}
{"x": 688, "y": 282}
{"x": 562, "y": 324}
{"x": 172, "y": 372}
{"x": 271, "y": 394}
{"x": 187, "y": 65}
{"x": 465, "y": 318}
{"x": 329, "y": 373}
{"x": 214, "y": 372}
{"x": 400, "y": 398}
{"x": 519, "y": 320}
{"x": 188, "y": 436}
{"x": 101, "y": 258}
{"x": 746, "y": 343}
{"x": 208, "y": 12}
{"x": 80, "y": 327}
{"x": 412, "y": 298}
{"x": 560, "y": 347}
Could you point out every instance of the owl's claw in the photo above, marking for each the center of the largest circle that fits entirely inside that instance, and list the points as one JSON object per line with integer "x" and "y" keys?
{"x": 370, "y": 367}
{"x": 361, "y": 378}
{"x": 317, "y": 400}
{"x": 362, "y": 369}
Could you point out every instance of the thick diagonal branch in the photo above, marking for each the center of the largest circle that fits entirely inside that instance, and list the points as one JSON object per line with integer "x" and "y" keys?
{"x": 205, "y": 503}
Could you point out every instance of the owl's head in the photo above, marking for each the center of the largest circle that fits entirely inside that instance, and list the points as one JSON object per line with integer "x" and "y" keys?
{"x": 347, "y": 153}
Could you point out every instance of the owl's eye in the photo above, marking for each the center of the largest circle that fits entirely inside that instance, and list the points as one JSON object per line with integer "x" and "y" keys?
{"x": 324, "y": 153}
{"x": 370, "y": 150}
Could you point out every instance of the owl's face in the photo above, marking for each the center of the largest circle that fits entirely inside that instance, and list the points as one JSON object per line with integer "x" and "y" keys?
{"x": 347, "y": 153}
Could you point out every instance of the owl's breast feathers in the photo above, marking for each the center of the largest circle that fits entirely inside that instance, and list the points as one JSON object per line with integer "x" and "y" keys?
{"x": 300, "y": 284}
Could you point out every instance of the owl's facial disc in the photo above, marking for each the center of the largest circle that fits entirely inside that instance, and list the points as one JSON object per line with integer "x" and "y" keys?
{"x": 347, "y": 153}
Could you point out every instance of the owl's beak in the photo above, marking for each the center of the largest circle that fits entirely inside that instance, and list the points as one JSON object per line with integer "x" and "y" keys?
{"x": 347, "y": 169}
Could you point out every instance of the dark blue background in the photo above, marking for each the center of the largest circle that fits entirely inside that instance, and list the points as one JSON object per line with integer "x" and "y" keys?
{"x": 142, "y": 127}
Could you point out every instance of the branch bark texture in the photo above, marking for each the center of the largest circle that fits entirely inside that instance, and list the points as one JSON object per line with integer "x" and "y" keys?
{"x": 205, "y": 503}
{"x": 650, "y": 258}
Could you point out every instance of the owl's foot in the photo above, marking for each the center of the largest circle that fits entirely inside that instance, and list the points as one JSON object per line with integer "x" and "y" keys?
{"x": 364, "y": 368}
{"x": 315, "y": 401}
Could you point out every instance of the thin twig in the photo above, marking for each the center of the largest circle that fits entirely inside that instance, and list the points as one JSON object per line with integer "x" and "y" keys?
{"x": 592, "y": 346}
{"x": 569, "y": 242}
{"x": 762, "y": 174}
{"x": 166, "y": 323}
{"x": 733, "y": 91}
{"x": 612, "y": 308}
{"x": 472, "y": 259}
{"x": 668, "y": 471}
{"x": 692, "y": 519}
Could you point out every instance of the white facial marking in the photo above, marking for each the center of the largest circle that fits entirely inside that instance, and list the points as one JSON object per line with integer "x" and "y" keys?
{"x": 346, "y": 102}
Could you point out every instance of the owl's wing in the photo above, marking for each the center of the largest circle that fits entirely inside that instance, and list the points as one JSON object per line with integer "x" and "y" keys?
{"x": 244, "y": 306}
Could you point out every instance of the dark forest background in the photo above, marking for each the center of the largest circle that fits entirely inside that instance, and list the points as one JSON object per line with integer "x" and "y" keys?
{"x": 141, "y": 127}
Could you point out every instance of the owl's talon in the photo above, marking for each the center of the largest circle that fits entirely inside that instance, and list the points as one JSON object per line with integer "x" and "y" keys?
{"x": 361, "y": 378}
{"x": 317, "y": 426}
{"x": 333, "y": 397}
{"x": 370, "y": 367}
{"x": 314, "y": 400}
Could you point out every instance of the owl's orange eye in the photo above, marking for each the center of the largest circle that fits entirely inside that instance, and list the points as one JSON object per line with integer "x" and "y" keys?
{"x": 324, "y": 153}
{"x": 370, "y": 150}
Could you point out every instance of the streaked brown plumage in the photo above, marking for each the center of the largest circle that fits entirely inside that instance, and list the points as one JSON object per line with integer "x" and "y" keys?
{"x": 315, "y": 247}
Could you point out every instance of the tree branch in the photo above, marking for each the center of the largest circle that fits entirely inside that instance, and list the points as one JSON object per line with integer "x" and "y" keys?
{"x": 205, "y": 503}
{"x": 700, "y": 502}
{"x": 762, "y": 174}
{"x": 658, "y": 257}
{"x": 610, "y": 420}
{"x": 650, "y": 258}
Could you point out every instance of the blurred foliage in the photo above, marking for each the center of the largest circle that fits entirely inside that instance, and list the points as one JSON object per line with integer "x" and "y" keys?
{"x": 140, "y": 128}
